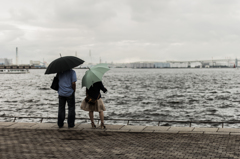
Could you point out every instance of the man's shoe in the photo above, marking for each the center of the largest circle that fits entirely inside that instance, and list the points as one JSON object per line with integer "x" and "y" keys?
{"x": 71, "y": 126}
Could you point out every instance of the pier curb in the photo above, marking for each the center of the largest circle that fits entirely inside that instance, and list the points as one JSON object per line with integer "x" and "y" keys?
{"x": 123, "y": 128}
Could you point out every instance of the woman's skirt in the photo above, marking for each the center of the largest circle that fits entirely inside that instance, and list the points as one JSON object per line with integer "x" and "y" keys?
{"x": 98, "y": 107}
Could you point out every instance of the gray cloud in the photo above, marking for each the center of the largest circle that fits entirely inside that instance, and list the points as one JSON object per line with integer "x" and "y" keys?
{"x": 120, "y": 31}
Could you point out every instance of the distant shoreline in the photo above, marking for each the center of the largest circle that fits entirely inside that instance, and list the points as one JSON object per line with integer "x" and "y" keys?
{"x": 135, "y": 68}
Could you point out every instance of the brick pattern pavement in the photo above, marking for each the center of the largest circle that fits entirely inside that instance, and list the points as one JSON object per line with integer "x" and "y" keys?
{"x": 70, "y": 144}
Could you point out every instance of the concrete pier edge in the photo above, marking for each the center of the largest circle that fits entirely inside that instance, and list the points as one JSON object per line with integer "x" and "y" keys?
{"x": 122, "y": 128}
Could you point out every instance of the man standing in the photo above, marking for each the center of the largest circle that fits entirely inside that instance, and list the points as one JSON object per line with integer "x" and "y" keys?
{"x": 66, "y": 92}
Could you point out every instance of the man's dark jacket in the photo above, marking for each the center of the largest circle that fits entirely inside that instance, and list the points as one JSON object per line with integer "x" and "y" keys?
{"x": 94, "y": 91}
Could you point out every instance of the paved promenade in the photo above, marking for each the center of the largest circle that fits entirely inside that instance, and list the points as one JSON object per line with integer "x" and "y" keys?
{"x": 46, "y": 140}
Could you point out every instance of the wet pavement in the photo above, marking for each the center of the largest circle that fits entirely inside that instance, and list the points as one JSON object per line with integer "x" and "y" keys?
{"x": 46, "y": 140}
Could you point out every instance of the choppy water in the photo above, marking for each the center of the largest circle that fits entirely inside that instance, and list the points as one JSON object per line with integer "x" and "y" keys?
{"x": 161, "y": 94}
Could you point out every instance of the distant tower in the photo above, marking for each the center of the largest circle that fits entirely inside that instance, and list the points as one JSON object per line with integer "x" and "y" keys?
{"x": 16, "y": 55}
{"x": 76, "y": 53}
{"x": 236, "y": 62}
{"x": 100, "y": 60}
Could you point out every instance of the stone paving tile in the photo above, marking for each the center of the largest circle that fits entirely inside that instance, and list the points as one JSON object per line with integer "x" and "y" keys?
{"x": 170, "y": 132}
{"x": 206, "y": 129}
{"x": 88, "y": 127}
{"x": 6, "y": 124}
{"x": 52, "y": 143}
{"x": 131, "y": 127}
{"x": 136, "y": 130}
{"x": 22, "y": 125}
{"x": 157, "y": 128}
{"x": 85, "y": 126}
{"x": 109, "y": 130}
{"x": 232, "y": 133}
{"x": 65, "y": 126}
{"x": 113, "y": 127}
{"x": 180, "y": 129}
{"x": 149, "y": 131}
{"x": 216, "y": 133}
{"x": 228, "y": 130}
{"x": 94, "y": 129}
{"x": 45, "y": 126}
{"x": 191, "y": 132}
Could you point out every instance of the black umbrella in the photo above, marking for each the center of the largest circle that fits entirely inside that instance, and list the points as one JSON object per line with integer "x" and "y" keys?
{"x": 63, "y": 64}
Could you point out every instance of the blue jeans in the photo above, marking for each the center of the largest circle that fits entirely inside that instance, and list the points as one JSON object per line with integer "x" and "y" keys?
{"x": 71, "y": 110}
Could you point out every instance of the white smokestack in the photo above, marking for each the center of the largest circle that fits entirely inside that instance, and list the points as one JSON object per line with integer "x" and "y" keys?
{"x": 16, "y": 55}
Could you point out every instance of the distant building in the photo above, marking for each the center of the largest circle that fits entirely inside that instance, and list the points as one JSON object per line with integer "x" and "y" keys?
{"x": 146, "y": 64}
{"x": 205, "y": 65}
{"x": 119, "y": 65}
{"x": 162, "y": 64}
{"x": 35, "y": 63}
{"x": 179, "y": 65}
{"x": 5, "y": 61}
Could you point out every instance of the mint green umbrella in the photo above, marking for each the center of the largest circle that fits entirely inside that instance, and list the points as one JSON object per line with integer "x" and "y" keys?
{"x": 94, "y": 74}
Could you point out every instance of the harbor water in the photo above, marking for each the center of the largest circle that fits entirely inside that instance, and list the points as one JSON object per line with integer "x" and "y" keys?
{"x": 151, "y": 94}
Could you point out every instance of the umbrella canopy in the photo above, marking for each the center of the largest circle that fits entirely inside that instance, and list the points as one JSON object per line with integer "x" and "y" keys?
{"x": 63, "y": 64}
{"x": 94, "y": 74}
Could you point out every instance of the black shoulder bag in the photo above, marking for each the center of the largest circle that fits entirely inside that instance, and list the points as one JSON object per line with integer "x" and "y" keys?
{"x": 54, "y": 85}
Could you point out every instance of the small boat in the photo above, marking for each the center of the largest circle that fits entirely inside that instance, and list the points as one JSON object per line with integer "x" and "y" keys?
{"x": 14, "y": 71}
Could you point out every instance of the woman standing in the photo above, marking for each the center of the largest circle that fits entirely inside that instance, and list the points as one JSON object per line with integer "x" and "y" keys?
{"x": 94, "y": 93}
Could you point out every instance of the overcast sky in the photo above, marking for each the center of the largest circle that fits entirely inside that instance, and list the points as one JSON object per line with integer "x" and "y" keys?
{"x": 120, "y": 30}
